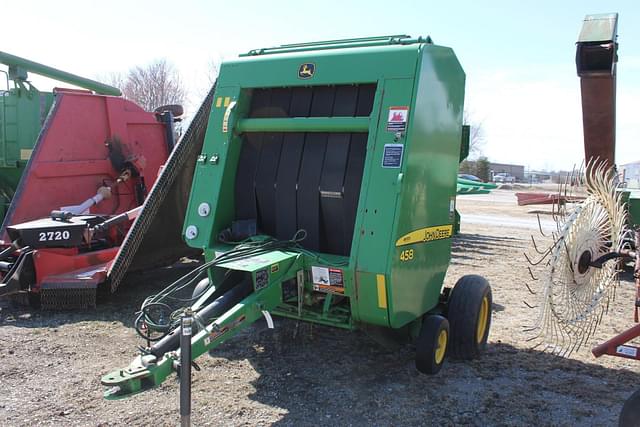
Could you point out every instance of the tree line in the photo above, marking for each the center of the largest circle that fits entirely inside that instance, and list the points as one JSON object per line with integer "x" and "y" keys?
{"x": 150, "y": 86}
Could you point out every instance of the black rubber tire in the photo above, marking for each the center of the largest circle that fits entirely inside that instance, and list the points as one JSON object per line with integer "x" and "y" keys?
{"x": 427, "y": 344}
{"x": 463, "y": 311}
{"x": 176, "y": 109}
{"x": 630, "y": 414}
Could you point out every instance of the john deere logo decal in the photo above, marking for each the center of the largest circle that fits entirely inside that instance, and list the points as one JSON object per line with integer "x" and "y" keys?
{"x": 306, "y": 70}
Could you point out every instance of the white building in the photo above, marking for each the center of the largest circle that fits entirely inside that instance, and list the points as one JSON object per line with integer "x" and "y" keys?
{"x": 631, "y": 174}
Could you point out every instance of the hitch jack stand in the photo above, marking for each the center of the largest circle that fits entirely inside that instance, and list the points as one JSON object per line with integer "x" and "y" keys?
{"x": 185, "y": 369}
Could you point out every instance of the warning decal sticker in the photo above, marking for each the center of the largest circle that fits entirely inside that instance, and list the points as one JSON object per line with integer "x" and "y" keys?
{"x": 627, "y": 350}
{"x": 262, "y": 279}
{"x": 327, "y": 280}
{"x": 397, "y": 121}
{"x": 218, "y": 332}
{"x": 392, "y": 155}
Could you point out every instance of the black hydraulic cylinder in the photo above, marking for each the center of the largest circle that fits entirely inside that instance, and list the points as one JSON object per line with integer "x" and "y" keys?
{"x": 167, "y": 118}
{"x": 20, "y": 275}
{"x": 185, "y": 370}
{"x": 222, "y": 304}
{"x": 103, "y": 226}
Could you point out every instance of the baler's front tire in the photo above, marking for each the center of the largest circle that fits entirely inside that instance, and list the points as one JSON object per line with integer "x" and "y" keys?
{"x": 469, "y": 314}
{"x": 431, "y": 344}
{"x": 630, "y": 414}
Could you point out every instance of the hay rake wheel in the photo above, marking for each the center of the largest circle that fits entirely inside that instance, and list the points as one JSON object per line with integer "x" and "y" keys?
{"x": 580, "y": 275}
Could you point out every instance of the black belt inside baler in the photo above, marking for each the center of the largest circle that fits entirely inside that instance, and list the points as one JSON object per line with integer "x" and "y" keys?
{"x": 304, "y": 180}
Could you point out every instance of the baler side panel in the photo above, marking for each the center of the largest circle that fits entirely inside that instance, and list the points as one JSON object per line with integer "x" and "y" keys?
{"x": 380, "y": 191}
{"x": 428, "y": 187}
{"x": 214, "y": 181}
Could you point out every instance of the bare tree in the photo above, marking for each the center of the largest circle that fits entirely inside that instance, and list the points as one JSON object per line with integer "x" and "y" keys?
{"x": 476, "y": 137}
{"x": 154, "y": 85}
{"x": 205, "y": 80}
{"x": 149, "y": 86}
{"x": 114, "y": 79}
{"x": 213, "y": 69}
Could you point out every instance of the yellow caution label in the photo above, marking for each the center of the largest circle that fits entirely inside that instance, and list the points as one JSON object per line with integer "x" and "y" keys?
{"x": 25, "y": 154}
{"x": 427, "y": 234}
{"x": 382, "y": 291}
{"x": 227, "y": 114}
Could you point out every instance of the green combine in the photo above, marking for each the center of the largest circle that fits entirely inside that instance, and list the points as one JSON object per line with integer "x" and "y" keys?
{"x": 23, "y": 110}
{"x": 324, "y": 192}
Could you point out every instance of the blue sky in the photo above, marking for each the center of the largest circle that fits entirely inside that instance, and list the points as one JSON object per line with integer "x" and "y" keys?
{"x": 518, "y": 56}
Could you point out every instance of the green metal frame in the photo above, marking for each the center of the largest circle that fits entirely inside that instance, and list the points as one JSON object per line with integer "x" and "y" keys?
{"x": 23, "y": 110}
{"x": 401, "y": 246}
{"x": 140, "y": 376}
{"x": 306, "y": 124}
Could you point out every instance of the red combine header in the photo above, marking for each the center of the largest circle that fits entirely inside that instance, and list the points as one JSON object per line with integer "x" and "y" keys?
{"x": 89, "y": 174}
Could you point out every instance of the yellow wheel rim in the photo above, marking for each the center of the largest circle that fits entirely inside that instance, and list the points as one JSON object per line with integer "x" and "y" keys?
{"x": 442, "y": 346}
{"x": 483, "y": 319}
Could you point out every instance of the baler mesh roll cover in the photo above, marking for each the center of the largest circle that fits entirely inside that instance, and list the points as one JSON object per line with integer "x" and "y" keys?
{"x": 155, "y": 238}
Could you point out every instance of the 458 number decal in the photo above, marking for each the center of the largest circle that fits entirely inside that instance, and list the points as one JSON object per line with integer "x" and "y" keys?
{"x": 406, "y": 255}
{"x": 46, "y": 236}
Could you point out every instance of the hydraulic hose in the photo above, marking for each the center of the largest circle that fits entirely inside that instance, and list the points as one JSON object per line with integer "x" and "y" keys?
{"x": 205, "y": 316}
{"x": 6, "y": 253}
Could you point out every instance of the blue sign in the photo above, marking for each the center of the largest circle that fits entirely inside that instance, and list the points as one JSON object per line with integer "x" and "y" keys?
{"x": 392, "y": 156}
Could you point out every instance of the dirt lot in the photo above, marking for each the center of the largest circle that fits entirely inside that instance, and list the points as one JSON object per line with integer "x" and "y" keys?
{"x": 50, "y": 363}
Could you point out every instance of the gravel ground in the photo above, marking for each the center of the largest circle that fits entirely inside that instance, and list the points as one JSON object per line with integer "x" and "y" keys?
{"x": 51, "y": 362}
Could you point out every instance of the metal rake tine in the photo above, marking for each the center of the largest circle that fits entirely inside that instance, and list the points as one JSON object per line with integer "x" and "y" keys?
{"x": 530, "y": 290}
{"x": 531, "y": 339}
{"x": 553, "y": 211}
{"x": 535, "y": 246}
{"x": 540, "y": 226}
{"x": 534, "y": 263}
{"x": 535, "y": 346}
